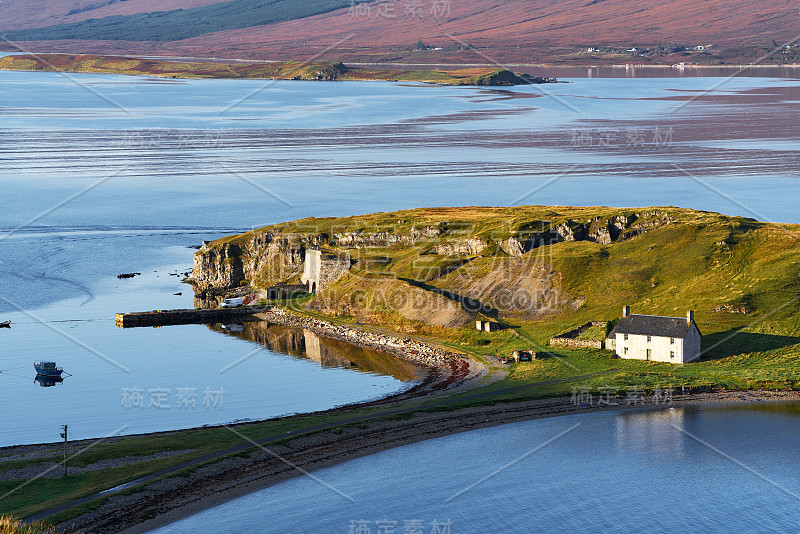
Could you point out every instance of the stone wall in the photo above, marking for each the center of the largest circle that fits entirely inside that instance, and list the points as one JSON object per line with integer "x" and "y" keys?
{"x": 333, "y": 267}
{"x": 569, "y": 339}
{"x": 576, "y": 343}
{"x": 408, "y": 349}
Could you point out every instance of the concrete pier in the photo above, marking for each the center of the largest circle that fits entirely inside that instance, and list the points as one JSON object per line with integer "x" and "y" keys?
{"x": 194, "y": 316}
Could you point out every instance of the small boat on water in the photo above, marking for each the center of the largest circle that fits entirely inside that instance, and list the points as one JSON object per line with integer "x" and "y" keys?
{"x": 5, "y": 324}
{"x": 48, "y": 369}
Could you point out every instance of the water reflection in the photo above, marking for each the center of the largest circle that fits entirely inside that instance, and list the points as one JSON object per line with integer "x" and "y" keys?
{"x": 325, "y": 351}
{"x": 47, "y": 381}
{"x": 574, "y": 484}
{"x": 789, "y": 409}
{"x": 652, "y": 431}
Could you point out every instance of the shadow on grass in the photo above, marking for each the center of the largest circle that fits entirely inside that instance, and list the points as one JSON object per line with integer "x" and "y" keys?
{"x": 470, "y": 305}
{"x": 734, "y": 341}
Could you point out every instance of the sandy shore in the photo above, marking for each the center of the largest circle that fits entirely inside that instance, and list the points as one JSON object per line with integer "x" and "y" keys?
{"x": 171, "y": 499}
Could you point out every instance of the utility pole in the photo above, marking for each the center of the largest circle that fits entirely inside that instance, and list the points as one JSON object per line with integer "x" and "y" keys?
{"x": 64, "y": 435}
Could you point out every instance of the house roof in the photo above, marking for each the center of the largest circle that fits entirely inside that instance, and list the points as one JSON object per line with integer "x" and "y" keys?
{"x": 653, "y": 325}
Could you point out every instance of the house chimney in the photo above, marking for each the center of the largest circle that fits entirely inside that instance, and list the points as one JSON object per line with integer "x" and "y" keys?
{"x": 626, "y": 310}
{"x": 689, "y": 316}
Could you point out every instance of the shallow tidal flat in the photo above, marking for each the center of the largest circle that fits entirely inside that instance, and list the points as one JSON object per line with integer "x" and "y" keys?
{"x": 559, "y": 144}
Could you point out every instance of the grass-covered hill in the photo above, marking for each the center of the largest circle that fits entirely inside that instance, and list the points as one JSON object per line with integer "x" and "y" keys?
{"x": 541, "y": 269}
{"x": 285, "y": 70}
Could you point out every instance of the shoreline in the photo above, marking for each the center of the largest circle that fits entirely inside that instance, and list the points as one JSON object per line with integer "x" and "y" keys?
{"x": 171, "y": 499}
{"x": 440, "y": 370}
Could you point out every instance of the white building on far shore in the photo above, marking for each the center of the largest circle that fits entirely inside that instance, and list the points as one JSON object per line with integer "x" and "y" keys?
{"x": 656, "y": 338}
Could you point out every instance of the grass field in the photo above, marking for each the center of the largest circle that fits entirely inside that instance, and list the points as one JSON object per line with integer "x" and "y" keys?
{"x": 10, "y": 525}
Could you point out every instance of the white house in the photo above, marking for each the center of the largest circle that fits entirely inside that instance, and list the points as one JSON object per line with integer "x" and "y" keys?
{"x": 656, "y": 338}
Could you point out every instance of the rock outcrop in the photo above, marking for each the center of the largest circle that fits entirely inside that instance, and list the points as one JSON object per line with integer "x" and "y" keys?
{"x": 505, "y": 77}
{"x": 596, "y": 230}
{"x": 254, "y": 259}
{"x": 459, "y": 247}
{"x": 364, "y": 239}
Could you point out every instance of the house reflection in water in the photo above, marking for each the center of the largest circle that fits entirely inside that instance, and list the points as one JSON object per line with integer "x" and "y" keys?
{"x": 325, "y": 351}
{"x": 652, "y": 432}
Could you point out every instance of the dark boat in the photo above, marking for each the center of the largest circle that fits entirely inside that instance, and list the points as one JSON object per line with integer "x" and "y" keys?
{"x": 5, "y": 324}
{"x": 48, "y": 369}
{"x": 48, "y": 381}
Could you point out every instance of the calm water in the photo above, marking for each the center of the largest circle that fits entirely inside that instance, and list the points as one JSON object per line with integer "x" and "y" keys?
{"x": 616, "y": 71}
{"x": 732, "y": 470}
{"x": 107, "y": 174}
{"x": 149, "y": 379}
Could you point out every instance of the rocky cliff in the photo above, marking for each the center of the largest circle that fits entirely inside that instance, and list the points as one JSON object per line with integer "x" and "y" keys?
{"x": 423, "y": 269}
{"x": 262, "y": 258}
{"x": 254, "y": 259}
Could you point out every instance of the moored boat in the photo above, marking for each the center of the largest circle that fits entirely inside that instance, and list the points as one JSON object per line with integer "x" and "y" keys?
{"x": 48, "y": 369}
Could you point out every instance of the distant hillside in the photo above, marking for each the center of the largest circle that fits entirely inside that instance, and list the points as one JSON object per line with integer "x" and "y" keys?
{"x": 505, "y": 30}
{"x": 179, "y": 24}
{"x": 536, "y": 23}
{"x": 16, "y": 14}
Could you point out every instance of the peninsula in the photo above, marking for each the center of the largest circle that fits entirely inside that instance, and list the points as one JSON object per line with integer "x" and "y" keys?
{"x": 535, "y": 271}
{"x": 278, "y": 70}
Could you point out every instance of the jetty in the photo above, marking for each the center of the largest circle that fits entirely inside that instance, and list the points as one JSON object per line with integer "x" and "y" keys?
{"x": 193, "y": 316}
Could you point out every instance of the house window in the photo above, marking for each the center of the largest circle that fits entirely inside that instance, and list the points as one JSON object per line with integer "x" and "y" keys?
{"x": 672, "y": 341}
{"x": 672, "y": 354}
{"x": 649, "y": 339}
{"x": 625, "y": 336}
{"x": 649, "y": 353}
{"x": 625, "y": 350}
